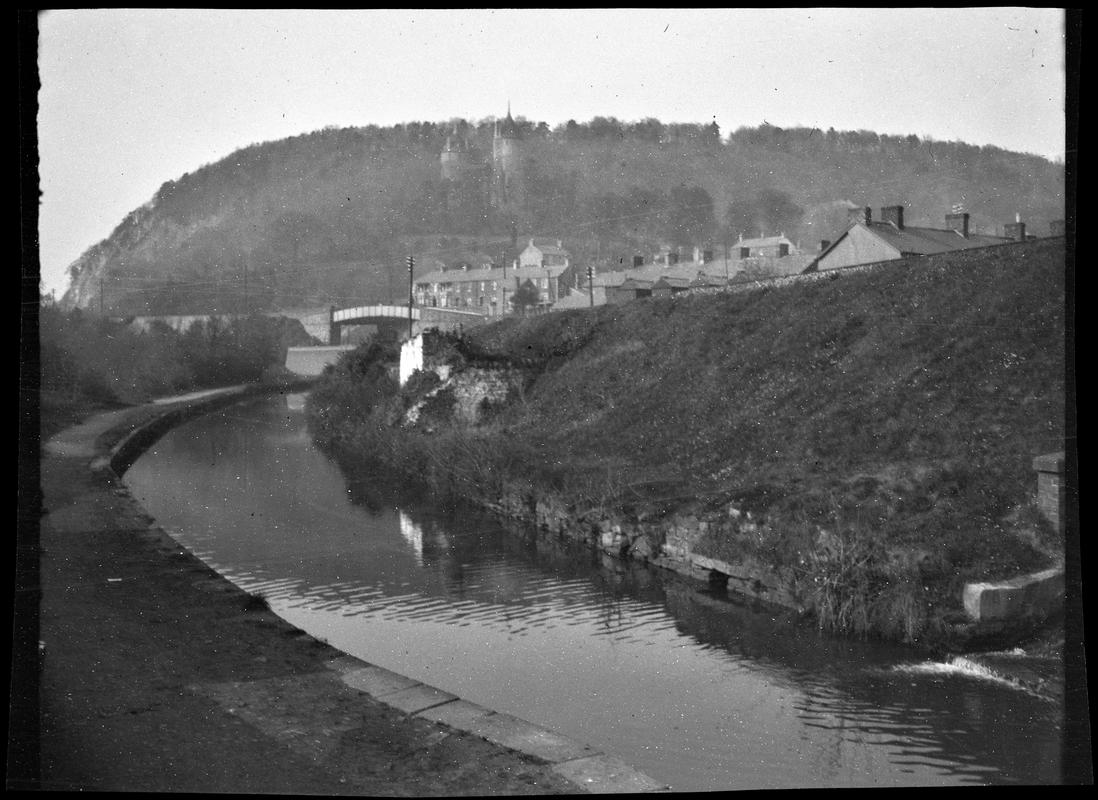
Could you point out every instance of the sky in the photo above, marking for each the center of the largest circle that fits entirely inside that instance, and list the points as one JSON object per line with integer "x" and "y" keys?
{"x": 131, "y": 98}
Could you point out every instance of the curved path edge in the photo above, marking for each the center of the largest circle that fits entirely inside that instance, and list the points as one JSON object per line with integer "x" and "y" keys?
{"x": 278, "y": 709}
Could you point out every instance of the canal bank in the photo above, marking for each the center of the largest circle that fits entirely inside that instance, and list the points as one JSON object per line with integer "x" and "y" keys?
{"x": 157, "y": 674}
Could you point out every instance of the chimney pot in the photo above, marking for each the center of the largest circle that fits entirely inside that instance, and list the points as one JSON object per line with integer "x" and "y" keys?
{"x": 893, "y": 214}
{"x": 958, "y": 222}
{"x": 1015, "y": 231}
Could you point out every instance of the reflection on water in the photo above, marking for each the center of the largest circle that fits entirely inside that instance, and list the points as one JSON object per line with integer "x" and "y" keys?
{"x": 693, "y": 689}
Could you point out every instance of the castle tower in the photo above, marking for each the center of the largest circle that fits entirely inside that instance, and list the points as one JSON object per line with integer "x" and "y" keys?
{"x": 506, "y": 162}
{"x": 455, "y": 157}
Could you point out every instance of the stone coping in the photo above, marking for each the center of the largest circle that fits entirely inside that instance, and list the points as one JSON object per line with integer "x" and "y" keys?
{"x": 578, "y": 763}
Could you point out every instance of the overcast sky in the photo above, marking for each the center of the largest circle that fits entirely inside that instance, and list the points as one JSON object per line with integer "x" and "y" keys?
{"x": 133, "y": 98}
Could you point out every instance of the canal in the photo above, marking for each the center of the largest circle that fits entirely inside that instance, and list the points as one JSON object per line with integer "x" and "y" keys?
{"x": 695, "y": 690}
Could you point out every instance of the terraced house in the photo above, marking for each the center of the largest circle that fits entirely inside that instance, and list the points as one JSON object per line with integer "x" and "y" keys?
{"x": 487, "y": 287}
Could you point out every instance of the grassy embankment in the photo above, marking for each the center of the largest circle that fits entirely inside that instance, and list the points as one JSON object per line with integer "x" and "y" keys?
{"x": 869, "y": 437}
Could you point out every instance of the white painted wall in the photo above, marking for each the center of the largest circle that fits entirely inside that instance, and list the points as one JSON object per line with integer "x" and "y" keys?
{"x": 411, "y": 357}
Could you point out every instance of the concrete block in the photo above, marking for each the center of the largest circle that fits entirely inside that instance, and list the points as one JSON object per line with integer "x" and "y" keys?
{"x": 1035, "y": 595}
{"x": 416, "y": 698}
{"x": 377, "y": 682}
{"x": 1050, "y": 462}
{"x": 604, "y": 774}
{"x": 518, "y": 734}
{"x": 704, "y": 562}
{"x": 344, "y": 664}
{"x": 459, "y": 714}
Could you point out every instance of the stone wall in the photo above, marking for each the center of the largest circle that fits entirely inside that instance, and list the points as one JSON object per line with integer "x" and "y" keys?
{"x": 472, "y": 386}
{"x": 668, "y": 544}
{"x": 1051, "y": 492}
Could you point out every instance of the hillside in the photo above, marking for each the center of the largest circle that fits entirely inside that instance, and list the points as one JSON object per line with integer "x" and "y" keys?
{"x": 902, "y": 405}
{"x": 327, "y": 216}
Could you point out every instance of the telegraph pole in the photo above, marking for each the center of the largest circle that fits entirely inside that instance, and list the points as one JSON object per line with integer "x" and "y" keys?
{"x": 591, "y": 283}
{"x": 411, "y": 265}
{"x": 503, "y": 283}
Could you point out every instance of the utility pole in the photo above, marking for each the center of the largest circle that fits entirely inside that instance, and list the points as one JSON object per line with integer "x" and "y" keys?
{"x": 411, "y": 265}
{"x": 503, "y": 283}
{"x": 591, "y": 283}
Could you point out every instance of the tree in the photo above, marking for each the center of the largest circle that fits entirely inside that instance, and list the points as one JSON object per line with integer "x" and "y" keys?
{"x": 525, "y": 295}
{"x": 690, "y": 218}
{"x": 768, "y": 212}
{"x": 777, "y": 211}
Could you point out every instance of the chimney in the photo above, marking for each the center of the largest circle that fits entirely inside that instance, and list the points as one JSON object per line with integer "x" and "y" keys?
{"x": 824, "y": 244}
{"x": 862, "y": 215}
{"x": 1015, "y": 231}
{"x": 958, "y": 222}
{"x": 893, "y": 214}
{"x": 783, "y": 250}
{"x": 638, "y": 261}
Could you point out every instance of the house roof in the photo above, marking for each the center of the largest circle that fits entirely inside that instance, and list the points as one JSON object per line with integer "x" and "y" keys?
{"x": 923, "y": 241}
{"x": 765, "y": 241}
{"x": 548, "y": 247}
{"x": 492, "y": 274}
{"x": 774, "y": 266}
{"x": 672, "y": 282}
{"x": 911, "y": 240}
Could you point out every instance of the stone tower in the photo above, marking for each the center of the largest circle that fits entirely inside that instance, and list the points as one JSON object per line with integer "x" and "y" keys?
{"x": 456, "y": 157}
{"x": 506, "y": 162}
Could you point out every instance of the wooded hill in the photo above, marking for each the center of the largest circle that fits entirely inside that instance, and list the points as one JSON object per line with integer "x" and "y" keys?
{"x": 328, "y": 216}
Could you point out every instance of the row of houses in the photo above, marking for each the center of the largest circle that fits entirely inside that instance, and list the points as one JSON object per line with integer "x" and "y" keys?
{"x": 867, "y": 240}
{"x": 476, "y": 283}
{"x": 547, "y": 267}
{"x": 481, "y": 285}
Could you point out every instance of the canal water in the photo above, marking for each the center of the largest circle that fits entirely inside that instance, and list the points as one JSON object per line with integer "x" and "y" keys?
{"x": 695, "y": 690}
